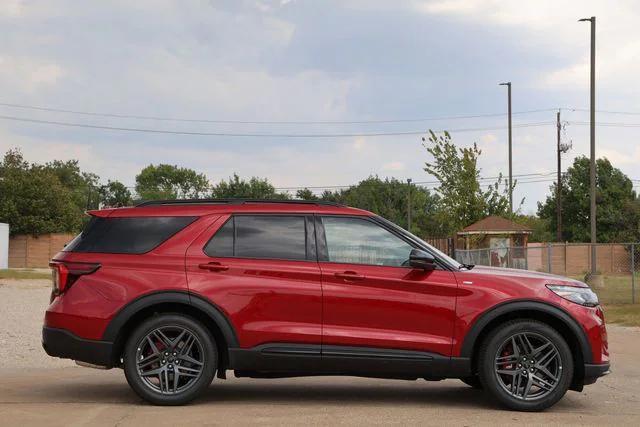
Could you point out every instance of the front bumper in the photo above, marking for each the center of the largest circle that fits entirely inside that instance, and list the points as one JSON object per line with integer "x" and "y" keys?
{"x": 62, "y": 343}
{"x": 593, "y": 372}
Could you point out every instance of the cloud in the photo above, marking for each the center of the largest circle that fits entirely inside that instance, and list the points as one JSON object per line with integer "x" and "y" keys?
{"x": 11, "y": 8}
{"x": 359, "y": 143}
{"x": 258, "y": 60}
{"x": 488, "y": 138}
{"x": 394, "y": 166}
{"x": 29, "y": 74}
{"x": 618, "y": 157}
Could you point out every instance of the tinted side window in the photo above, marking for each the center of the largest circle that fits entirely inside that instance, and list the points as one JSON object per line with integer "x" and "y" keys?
{"x": 261, "y": 236}
{"x": 221, "y": 244}
{"x": 127, "y": 235}
{"x": 358, "y": 241}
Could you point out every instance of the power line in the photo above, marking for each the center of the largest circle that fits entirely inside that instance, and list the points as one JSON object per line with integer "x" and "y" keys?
{"x": 294, "y": 122}
{"x": 255, "y": 135}
{"x": 264, "y": 122}
{"x": 427, "y": 184}
{"x": 532, "y": 175}
{"x": 629, "y": 113}
{"x": 418, "y": 182}
{"x": 607, "y": 124}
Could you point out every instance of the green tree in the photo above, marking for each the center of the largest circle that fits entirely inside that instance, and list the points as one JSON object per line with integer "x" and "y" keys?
{"x": 82, "y": 185}
{"x": 461, "y": 198}
{"x": 170, "y": 182}
{"x": 33, "y": 200}
{"x": 254, "y": 188}
{"x": 389, "y": 198}
{"x": 539, "y": 226}
{"x": 305, "y": 194}
{"x": 114, "y": 194}
{"x": 617, "y": 205}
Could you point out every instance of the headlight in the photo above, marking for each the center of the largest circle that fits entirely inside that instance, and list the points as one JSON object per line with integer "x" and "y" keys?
{"x": 582, "y": 296}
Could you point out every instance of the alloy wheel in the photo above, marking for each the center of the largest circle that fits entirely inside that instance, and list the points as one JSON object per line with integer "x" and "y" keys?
{"x": 170, "y": 359}
{"x": 528, "y": 366}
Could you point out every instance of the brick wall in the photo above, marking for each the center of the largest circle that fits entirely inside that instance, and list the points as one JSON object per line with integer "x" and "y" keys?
{"x": 575, "y": 258}
{"x": 35, "y": 252}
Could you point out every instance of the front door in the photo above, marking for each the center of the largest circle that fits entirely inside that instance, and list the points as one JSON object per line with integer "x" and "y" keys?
{"x": 372, "y": 299}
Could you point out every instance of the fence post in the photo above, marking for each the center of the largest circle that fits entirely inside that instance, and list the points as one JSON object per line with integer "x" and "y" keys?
{"x": 549, "y": 257}
{"x": 633, "y": 276}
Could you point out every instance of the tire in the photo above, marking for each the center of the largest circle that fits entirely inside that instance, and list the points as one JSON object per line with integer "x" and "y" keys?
{"x": 473, "y": 381}
{"x": 531, "y": 380}
{"x": 170, "y": 359}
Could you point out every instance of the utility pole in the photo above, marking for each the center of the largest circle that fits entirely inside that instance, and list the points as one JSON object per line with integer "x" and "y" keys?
{"x": 559, "y": 184}
{"x": 561, "y": 148}
{"x": 593, "y": 143}
{"x": 409, "y": 205}
{"x": 508, "y": 85}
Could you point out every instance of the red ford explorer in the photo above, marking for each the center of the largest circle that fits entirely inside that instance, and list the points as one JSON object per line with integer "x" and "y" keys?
{"x": 177, "y": 292}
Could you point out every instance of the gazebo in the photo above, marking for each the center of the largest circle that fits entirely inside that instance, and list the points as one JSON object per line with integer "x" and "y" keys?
{"x": 501, "y": 242}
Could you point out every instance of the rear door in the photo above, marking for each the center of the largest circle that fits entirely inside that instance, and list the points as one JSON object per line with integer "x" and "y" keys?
{"x": 372, "y": 299}
{"x": 261, "y": 270}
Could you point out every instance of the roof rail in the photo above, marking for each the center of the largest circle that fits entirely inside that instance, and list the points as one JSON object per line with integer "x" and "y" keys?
{"x": 233, "y": 202}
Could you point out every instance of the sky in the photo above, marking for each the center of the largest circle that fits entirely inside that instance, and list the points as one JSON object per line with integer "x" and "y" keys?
{"x": 385, "y": 65}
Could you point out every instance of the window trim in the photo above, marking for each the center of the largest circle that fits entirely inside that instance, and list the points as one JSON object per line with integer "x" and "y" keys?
{"x": 311, "y": 250}
{"x": 323, "y": 253}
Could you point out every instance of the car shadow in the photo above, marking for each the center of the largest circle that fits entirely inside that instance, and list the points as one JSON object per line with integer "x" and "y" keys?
{"x": 343, "y": 391}
{"x": 262, "y": 392}
{"x": 385, "y": 393}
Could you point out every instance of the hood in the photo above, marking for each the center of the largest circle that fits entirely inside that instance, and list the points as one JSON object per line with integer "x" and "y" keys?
{"x": 527, "y": 274}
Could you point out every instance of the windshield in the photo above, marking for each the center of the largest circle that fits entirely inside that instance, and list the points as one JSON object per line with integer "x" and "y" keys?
{"x": 439, "y": 254}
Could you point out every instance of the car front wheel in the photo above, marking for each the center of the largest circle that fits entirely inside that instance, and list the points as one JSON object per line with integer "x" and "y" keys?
{"x": 170, "y": 359}
{"x": 526, "y": 365}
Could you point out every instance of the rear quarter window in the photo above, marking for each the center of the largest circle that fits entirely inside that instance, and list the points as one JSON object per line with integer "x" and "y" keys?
{"x": 135, "y": 235}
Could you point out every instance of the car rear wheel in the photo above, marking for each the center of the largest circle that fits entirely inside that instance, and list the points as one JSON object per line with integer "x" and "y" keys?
{"x": 526, "y": 365}
{"x": 170, "y": 359}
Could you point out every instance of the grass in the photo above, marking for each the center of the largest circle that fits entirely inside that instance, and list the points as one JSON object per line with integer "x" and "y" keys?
{"x": 615, "y": 296}
{"x": 24, "y": 273}
{"x": 622, "y": 314}
{"x": 617, "y": 289}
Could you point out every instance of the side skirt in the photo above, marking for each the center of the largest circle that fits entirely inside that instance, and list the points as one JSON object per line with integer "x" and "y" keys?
{"x": 293, "y": 360}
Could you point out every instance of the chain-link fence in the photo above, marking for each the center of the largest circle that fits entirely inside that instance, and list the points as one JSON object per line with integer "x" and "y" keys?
{"x": 618, "y": 264}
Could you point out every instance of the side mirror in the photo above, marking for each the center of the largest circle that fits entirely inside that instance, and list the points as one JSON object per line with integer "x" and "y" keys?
{"x": 421, "y": 259}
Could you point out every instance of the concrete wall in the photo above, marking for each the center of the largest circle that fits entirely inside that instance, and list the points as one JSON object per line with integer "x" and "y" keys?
{"x": 35, "y": 252}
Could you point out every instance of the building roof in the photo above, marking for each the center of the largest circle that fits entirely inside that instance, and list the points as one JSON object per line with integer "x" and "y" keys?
{"x": 495, "y": 224}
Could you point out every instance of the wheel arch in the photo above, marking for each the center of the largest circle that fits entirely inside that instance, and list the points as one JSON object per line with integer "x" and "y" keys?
{"x": 123, "y": 323}
{"x": 554, "y": 316}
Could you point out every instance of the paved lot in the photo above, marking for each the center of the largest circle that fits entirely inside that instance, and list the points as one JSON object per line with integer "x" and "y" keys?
{"x": 38, "y": 390}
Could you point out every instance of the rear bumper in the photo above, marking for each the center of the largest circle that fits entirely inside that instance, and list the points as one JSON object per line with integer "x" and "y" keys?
{"x": 62, "y": 343}
{"x": 593, "y": 372}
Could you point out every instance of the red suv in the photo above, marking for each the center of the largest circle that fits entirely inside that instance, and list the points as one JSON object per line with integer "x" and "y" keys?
{"x": 175, "y": 292}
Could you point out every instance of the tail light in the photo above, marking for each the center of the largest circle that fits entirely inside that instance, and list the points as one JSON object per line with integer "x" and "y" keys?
{"x": 64, "y": 274}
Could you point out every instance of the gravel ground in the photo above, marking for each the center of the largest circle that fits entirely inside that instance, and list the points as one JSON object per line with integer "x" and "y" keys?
{"x": 22, "y": 306}
{"x": 52, "y": 392}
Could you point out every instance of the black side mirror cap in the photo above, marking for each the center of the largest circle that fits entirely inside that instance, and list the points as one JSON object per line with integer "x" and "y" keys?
{"x": 421, "y": 259}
